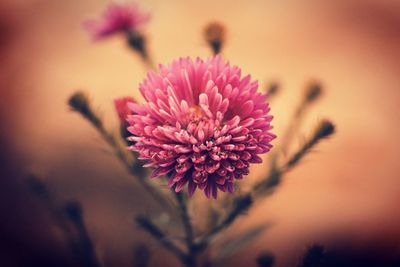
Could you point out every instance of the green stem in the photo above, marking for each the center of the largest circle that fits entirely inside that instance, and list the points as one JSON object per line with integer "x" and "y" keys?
{"x": 191, "y": 260}
{"x": 157, "y": 234}
{"x": 242, "y": 204}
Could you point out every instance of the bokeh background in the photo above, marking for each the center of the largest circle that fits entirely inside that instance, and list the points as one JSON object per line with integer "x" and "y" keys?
{"x": 345, "y": 195}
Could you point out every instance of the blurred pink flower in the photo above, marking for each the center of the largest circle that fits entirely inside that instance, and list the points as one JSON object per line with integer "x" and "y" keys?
{"x": 116, "y": 18}
{"x": 121, "y": 106}
{"x": 203, "y": 124}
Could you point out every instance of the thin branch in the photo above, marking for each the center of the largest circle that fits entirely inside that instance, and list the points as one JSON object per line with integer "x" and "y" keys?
{"x": 324, "y": 129}
{"x": 242, "y": 204}
{"x": 133, "y": 168}
{"x": 80, "y": 103}
{"x": 311, "y": 95}
{"x": 157, "y": 234}
{"x": 84, "y": 246}
{"x": 138, "y": 42}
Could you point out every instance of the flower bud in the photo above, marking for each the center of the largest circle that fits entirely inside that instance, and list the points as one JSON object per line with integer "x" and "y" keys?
{"x": 265, "y": 259}
{"x": 272, "y": 89}
{"x": 313, "y": 92}
{"x": 137, "y": 42}
{"x": 324, "y": 129}
{"x": 214, "y": 34}
{"x": 73, "y": 210}
{"x": 313, "y": 256}
{"x": 80, "y": 103}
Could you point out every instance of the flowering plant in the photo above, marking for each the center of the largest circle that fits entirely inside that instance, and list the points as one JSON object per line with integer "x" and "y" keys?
{"x": 202, "y": 125}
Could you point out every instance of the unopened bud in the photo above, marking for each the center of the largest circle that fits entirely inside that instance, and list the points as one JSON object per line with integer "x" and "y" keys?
{"x": 80, "y": 103}
{"x": 313, "y": 256}
{"x": 324, "y": 129}
{"x": 272, "y": 89}
{"x": 73, "y": 210}
{"x": 215, "y": 34}
{"x": 265, "y": 259}
{"x": 313, "y": 92}
{"x": 137, "y": 41}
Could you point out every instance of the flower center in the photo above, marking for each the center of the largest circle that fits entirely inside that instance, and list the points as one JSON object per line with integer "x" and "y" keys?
{"x": 197, "y": 115}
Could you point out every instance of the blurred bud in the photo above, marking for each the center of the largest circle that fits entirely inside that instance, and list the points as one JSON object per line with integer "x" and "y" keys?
{"x": 215, "y": 34}
{"x": 313, "y": 92}
{"x": 80, "y": 103}
{"x": 137, "y": 42}
{"x": 272, "y": 89}
{"x": 73, "y": 209}
{"x": 38, "y": 187}
{"x": 313, "y": 256}
{"x": 244, "y": 202}
{"x": 265, "y": 259}
{"x": 324, "y": 129}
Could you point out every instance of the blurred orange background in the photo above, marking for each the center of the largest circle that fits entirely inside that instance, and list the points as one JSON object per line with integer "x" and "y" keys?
{"x": 348, "y": 188}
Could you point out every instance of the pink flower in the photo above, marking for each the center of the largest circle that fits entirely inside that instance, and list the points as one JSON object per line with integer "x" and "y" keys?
{"x": 121, "y": 106}
{"x": 116, "y": 18}
{"x": 202, "y": 124}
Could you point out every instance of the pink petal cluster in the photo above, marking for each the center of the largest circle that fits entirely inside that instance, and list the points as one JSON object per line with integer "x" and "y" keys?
{"x": 202, "y": 125}
{"x": 121, "y": 106}
{"x": 116, "y": 18}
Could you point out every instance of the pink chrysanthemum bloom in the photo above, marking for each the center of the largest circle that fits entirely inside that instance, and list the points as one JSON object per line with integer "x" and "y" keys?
{"x": 116, "y": 18}
{"x": 121, "y": 106}
{"x": 203, "y": 124}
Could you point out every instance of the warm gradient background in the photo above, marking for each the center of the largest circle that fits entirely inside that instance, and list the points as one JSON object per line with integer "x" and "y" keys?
{"x": 348, "y": 190}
